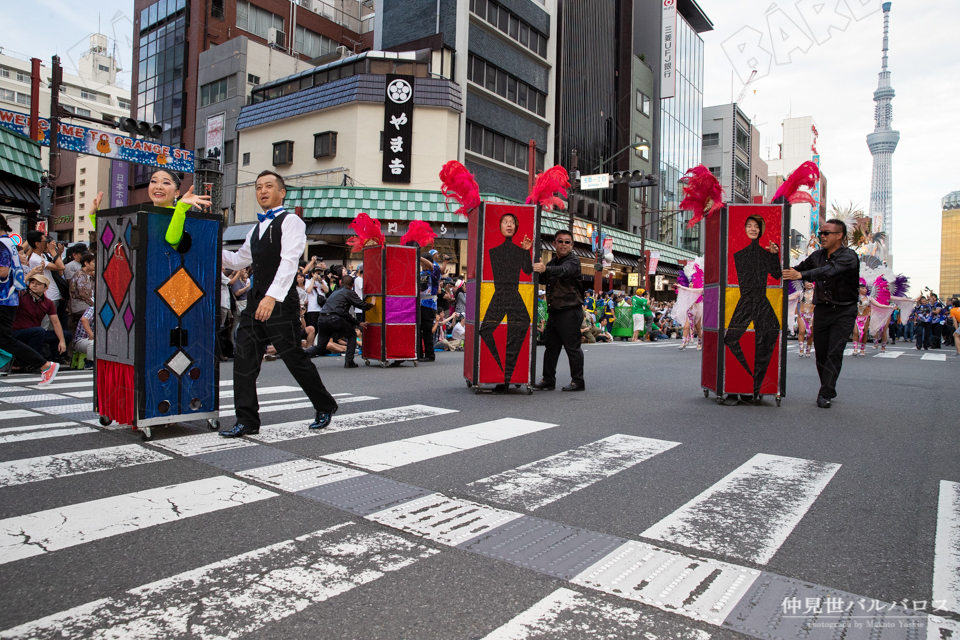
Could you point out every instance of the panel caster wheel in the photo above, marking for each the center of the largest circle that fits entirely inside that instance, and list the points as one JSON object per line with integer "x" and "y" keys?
{"x": 415, "y": 363}
{"x": 706, "y": 393}
{"x": 719, "y": 399}
{"x": 516, "y": 386}
{"x": 146, "y": 433}
{"x": 366, "y": 362}
{"x": 476, "y": 390}
{"x": 469, "y": 384}
{"x": 213, "y": 424}
{"x": 384, "y": 364}
{"x": 529, "y": 390}
{"x": 105, "y": 421}
{"x": 777, "y": 399}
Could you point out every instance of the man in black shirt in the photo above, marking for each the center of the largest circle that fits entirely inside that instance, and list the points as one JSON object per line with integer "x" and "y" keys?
{"x": 337, "y": 321}
{"x": 565, "y": 314}
{"x": 836, "y": 271}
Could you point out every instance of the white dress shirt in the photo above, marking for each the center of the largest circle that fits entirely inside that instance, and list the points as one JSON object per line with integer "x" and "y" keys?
{"x": 292, "y": 242}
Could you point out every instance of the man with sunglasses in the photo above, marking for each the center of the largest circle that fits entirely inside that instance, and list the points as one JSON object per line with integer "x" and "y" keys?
{"x": 835, "y": 269}
{"x": 565, "y": 314}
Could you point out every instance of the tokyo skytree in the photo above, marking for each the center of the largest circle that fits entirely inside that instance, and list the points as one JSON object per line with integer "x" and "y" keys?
{"x": 883, "y": 142}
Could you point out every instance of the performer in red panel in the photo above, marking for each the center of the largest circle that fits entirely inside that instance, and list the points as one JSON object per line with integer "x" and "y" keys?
{"x": 508, "y": 260}
{"x": 754, "y": 264}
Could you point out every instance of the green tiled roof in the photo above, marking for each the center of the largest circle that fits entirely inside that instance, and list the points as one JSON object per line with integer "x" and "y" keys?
{"x": 20, "y": 156}
{"x": 623, "y": 241}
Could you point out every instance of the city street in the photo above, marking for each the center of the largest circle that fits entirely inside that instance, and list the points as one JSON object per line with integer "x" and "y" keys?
{"x": 636, "y": 509}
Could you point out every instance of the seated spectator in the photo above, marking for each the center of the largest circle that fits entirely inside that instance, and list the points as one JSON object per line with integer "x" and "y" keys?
{"x": 455, "y": 342}
{"x": 604, "y": 334}
{"x": 83, "y": 337}
{"x": 34, "y": 307}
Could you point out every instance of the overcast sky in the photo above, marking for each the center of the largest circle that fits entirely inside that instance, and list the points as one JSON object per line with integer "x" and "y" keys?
{"x": 825, "y": 66}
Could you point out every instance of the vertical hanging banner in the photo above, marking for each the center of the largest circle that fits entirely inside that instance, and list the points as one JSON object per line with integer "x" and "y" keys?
{"x": 815, "y": 208}
{"x": 668, "y": 56}
{"x": 119, "y": 183}
{"x": 398, "y": 129}
{"x": 215, "y": 125}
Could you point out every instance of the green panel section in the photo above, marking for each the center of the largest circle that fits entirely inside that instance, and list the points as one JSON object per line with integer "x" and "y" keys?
{"x": 20, "y": 156}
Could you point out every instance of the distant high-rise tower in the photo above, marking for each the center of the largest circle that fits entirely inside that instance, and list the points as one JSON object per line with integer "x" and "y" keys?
{"x": 883, "y": 142}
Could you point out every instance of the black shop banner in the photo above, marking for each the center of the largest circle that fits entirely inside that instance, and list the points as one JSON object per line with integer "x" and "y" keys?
{"x": 398, "y": 129}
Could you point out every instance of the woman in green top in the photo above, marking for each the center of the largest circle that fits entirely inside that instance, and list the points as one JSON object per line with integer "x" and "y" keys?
{"x": 164, "y": 189}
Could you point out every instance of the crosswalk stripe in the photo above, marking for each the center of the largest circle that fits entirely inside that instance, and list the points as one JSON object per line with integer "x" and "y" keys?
{"x": 749, "y": 513}
{"x": 17, "y": 413}
{"x": 566, "y": 613}
{"x": 46, "y": 531}
{"x": 262, "y": 391}
{"x": 298, "y": 405}
{"x": 239, "y": 595}
{"x": 937, "y": 357}
{"x": 194, "y": 445}
{"x": 65, "y": 385}
{"x": 229, "y": 394}
{"x": 75, "y": 463}
{"x": 946, "y": 559}
{"x": 449, "y": 521}
{"x": 299, "y": 475}
{"x": 889, "y": 354}
{"x": 23, "y": 395}
{"x": 41, "y": 435}
{"x": 37, "y": 427}
{"x": 61, "y": 375}
{"x": 539, "y": 483}
{"x": 848, "y": 352}
{"x": 389, "y": 455}
{"x": 298, "y": 428}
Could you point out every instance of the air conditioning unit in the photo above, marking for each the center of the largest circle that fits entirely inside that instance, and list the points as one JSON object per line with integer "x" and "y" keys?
{"x": 342, "y": 51}
{"x": 276, "y": 37}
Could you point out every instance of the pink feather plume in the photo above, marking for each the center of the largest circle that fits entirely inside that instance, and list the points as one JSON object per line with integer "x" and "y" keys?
{"x": 367, "y": 230}
{"x": 881, "y": 290}
{"x": 702, "y": 194}
{"x": 419, "y": 232}
{"x": 552, "y": 181}
{"x": 459, "y": 184}
{"x": 806, "y": 175}
{"x": 696, "y": 282}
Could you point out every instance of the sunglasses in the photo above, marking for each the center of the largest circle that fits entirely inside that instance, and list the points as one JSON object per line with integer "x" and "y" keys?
{"x": 563, "y": 242}
{"x": 826, "y": 233}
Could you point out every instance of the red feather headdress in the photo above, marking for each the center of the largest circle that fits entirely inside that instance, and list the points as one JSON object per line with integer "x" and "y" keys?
{"x": 548, "y": 184}
{"x": 702, "y": 194}
{"x": 806, "y": 175}
{"x": 367, "y": 230}
{"x": 419, "y": 232}
{"x": 459, "y": 184}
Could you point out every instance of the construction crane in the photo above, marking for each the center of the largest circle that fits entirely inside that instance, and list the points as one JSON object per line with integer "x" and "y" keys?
{"x": 745, "y": 85}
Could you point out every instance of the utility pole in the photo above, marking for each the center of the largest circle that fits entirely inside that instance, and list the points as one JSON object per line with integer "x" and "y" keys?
{"x": 643, "y": 238}
{"x": 53, "y": 166}
{"x": 574, "y": 181}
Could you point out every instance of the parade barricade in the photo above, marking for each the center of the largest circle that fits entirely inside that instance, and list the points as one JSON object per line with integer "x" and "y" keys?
{"x": 157, "y": 313}
{"x": 500, "y": 341}
{"x": 390, "y": 283}
{"x": 744, "y": 304}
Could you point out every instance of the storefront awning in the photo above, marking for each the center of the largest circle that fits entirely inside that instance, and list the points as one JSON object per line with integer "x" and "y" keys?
{"x": 237, "y": 232}
{"x": 666, "y": 270}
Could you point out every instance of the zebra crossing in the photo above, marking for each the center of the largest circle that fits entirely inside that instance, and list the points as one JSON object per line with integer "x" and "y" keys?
{"x": 745, "y": 516}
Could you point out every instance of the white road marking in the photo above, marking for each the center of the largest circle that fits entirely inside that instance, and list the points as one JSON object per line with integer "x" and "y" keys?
{"x": 937, "y": 357}
{"x": 48, "y": 433}
{"x": 82, "y": 395}
{"x": 59, "y": 410}
{"x": 389, "y": 455}
{"x": 75, "y": 463}
{"x": 449, "y": 521}
{"x": 62, "y": 375}
{"x": 567, "y": 613}
{"x": 65, "y": 385}
{"x": 264, "y": 391}
{"x": 889, "y": 354}
{"x": 29, "y": 396}
{"x": 17, "y": 413}
{"x": 37, "y": 427}
{"x": 539, "y": 483}
{"x": 194, "y": 445}
{"x": 47, "y": 531}
{"x": 238, "y": 596}
{"x": 298, "y": 428}
{"x": 267, "y": 391}
{"x": 298, "y": 475}
{"x": 749, "y": 513}
{"x": 946, "y": 559}
{"x": 298, "y": 405}
{"x": 848, "y": 352}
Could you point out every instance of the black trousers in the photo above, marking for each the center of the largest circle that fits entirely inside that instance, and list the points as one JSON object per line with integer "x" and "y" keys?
{"x": 24, "y": 355}
{"x": 936, "y": 334}
{"x": 333, "y": 326}
{"x": 563, "y": 332}
{"x": 282, "y": 330}
{"x": 832, "y": 328}
{"x": 923, "y": 331}
{"x": 425, "y": 343}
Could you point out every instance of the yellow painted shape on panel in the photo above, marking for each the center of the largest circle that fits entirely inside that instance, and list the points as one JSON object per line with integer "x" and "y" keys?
{"x": 486, "y": 295}
{"x": 775, "y": 296}
{"x": 375, "y": 315}
{"x": 180, "y": 291}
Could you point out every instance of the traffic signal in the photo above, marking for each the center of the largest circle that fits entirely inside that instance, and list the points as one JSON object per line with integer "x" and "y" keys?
{"x": 141, "y": 127}
{"x": 46, "y": 202}
{"x": 620, "y": 177}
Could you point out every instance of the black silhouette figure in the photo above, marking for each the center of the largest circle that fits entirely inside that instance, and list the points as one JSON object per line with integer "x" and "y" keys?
{"x": 507, "y": 261}
{"x": 753, "y": 264}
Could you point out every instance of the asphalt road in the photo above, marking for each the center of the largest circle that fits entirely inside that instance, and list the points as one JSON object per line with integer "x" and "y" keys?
{"x": 635, "y": 509}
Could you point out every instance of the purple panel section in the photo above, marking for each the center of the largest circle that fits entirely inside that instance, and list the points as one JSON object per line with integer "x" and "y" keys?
{"x": 711, "y": 308}
{"x": 401, "y": 310}
{"x": 471, "y": 297}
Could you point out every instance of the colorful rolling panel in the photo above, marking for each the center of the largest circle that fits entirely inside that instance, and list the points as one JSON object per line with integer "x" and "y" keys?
{"x": 390, "y": 282}
{"x": 500, "y": 343}
{"x": 157, "y": 312}
{"x": 744, "y": 304}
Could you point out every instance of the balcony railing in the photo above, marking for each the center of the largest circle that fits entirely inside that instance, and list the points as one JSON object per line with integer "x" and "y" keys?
{"x": 356, "y": 23}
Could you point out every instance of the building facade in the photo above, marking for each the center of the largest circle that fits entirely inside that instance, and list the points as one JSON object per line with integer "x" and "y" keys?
{"x": 950, "y": 246}
{"x": 759, "y": 191}
{"x": 642, "y": 132}
{"x": 728, "y": 151}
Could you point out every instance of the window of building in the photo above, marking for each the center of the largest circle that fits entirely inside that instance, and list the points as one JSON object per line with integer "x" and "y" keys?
{"x": 252, "y": 79}
{"x": 80, "y": 232}
{"x": 9, "y": 96}
{"x": 643, "y": 103}
{"x": 711, "y": 139}
{"x": 123, "y": 104}
{"x": 256, "y": 20}
{"x": 282, "y": 153}
{"x": 82, "y": 182}
{"x": 83, "y": 112}
{"x": 246, "y": 159}
{"x": 82, "y": 171}
{"x": 228, "y": 152}
{"x": 82, "y": 193}
{"x": 221, "y": 89}
{"x": 63, "y": 194}
{"x": 81, "y": 217}
{"x": 81, "y": 204}
{"x": 23, "y": 76}
{"x": 24, "y": 98}
{"x": 88, "y": 95}
{"x": 743, "y": 139}
{"x": 505, "y": 85}
{"x": 643, "y": 152}
{"x": 104, "y": 68}
{"x": 325, "y": 144}
{"x": 312, "y": 44}
{"x": 511, "y": 25}
{"x": 716, "y": 172}
{"x": 4, "y": 72}
{"x": 216, "y": 9}
{"x": 498, "y": 147}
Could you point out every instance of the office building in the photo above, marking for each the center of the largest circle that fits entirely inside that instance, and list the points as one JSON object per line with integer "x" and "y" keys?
{"x": 728, "y": 151}
{"x": 950, "y": 247}
{"x": 800, "y": 145}
{"x": 642, "y": 133}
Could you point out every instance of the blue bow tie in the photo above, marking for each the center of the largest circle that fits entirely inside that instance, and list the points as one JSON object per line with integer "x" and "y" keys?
{"x": 269, "y": 215}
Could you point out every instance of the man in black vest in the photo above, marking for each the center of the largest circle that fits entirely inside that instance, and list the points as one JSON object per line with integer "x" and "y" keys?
{"x": 272, "y": 316}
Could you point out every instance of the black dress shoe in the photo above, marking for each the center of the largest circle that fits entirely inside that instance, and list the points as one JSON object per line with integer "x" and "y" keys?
{"x": 573, "y": 387}
{"x": 544, "y": 386}
{"x": 425, "y": 359}
{"x": 350, "y": 364}
{"x": 240, "y": 430}
{"x": 322, "y": 420}
{"x": 823, "y": 403}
